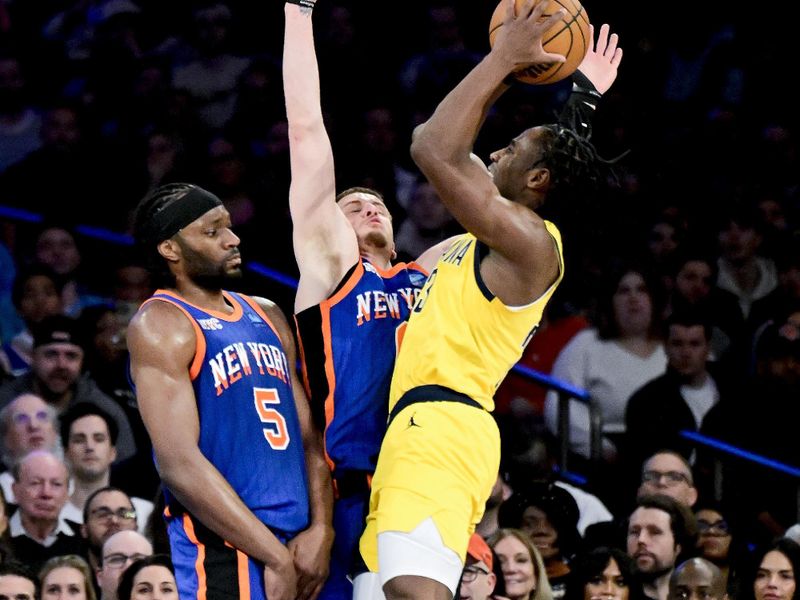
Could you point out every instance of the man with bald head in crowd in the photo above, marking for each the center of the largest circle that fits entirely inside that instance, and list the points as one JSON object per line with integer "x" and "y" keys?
{"x": 26, "y": 423}
{"x": 697, "y": 579}
{"x": 37, "y": 532}
{"x": 118, "y": 552}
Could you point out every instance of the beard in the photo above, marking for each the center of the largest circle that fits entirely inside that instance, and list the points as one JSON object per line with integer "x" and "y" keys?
{"x": 204, "y": 273}
{"x": 376, "y": 239}
{"x": 654, "y": 571}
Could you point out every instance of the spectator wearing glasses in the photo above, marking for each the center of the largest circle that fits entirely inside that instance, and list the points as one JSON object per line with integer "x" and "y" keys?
{"x": 107, "y": 511}
{"x": 668, "y": 473}
{"x": 665, "y": 473}
{"x": 37, "y": 532}
{"x": 89, "y": 435}
{"x": 119, "y": 551}
{"x": 715, "y": 540}
{"x": 26, "y": 423}
{"x": 478, "y": 579}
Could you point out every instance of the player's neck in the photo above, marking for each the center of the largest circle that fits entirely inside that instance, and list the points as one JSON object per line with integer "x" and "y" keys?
{"x": 380, "y": 257}
{"x": 203, "y": 297}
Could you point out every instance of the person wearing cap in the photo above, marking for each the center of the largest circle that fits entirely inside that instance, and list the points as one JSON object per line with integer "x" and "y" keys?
{"x": 248, "y": 492}
{"x": 478, "y": 579}
{"x": 57, "y": 376}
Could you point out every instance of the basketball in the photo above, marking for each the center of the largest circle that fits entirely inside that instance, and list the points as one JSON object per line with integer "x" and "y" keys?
{"x": 569, "y": 37}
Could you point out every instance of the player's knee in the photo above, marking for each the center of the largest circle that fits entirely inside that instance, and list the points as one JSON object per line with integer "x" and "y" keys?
{"x": 413, "y": 587}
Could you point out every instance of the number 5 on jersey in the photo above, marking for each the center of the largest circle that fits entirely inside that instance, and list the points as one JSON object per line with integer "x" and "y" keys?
{"x": 276, "y": 432}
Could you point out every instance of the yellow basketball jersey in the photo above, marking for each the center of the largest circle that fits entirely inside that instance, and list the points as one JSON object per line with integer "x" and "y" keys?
{"x": 460, "y": 336}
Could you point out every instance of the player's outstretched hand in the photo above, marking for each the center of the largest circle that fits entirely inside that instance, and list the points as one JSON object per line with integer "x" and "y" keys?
{"x": 311, "y": 551}
{"x": 519, "y": 40}
{"x": 280, "y": 582}
{"x": 602, "y": 59}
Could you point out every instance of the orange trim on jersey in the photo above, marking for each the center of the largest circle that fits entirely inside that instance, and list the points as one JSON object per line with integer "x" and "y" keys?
{"x": 199, "y": 336}
{"x": 399, "y": 334}
{"x": 232, "y": 316}
{"x": 243, "y": 571}
{"x": 199, "y": 567}
{"x": 418, "y": 267}
{"x": 393, "y": 270}
{"x": 167, "y": 514}
{"x": 325, "y": 313}
{"x": 354, "y": 278}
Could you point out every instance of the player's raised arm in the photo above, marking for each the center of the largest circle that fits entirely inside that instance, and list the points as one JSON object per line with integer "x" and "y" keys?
{"x": 325, "y": 244}
{"x": 442, "y": 146}
{"x": 595, "y": 75}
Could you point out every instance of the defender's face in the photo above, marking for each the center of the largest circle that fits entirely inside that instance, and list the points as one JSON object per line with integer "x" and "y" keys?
{"x": 210, "y": 249}
{"x": 369, "y": 218}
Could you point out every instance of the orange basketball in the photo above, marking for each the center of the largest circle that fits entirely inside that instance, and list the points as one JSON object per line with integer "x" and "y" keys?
{"x": 569, "y": 37}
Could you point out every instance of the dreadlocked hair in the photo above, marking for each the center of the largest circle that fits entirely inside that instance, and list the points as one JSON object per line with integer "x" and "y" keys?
{"x": 574, "y": 163}
{"x": 146, "y": 247}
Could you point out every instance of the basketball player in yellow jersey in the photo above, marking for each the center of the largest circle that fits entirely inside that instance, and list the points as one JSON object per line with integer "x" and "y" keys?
{"x": 479, "y": 307}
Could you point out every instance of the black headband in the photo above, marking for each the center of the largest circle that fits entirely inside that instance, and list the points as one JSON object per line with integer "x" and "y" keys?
{"x": 175, "y": 215}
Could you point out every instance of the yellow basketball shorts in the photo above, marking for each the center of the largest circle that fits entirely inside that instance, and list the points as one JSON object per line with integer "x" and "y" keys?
{"x": 437, "y": 460}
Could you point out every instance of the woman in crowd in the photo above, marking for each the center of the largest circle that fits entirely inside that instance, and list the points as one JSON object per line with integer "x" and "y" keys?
{"x": 772, "y": 572}
{"x": 66, "y": 578}
{"x": 611, "y": 360}
{"x": 524, "y": 575}
{"x": 549, "y": 516}
{"x": 149, "y": 578}
{"x": 714, "y": 537}
{"x": 604, "y": 574}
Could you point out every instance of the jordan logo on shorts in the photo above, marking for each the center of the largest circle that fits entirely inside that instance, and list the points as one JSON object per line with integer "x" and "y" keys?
{"x": 411, "y": 422}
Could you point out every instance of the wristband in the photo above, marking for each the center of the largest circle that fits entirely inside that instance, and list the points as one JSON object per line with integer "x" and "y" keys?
{"x": 581, "y": 83}
{"x": 309, "y": 4}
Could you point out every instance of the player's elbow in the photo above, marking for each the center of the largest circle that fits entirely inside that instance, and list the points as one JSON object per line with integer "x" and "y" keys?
{"x": 424, "y": 151}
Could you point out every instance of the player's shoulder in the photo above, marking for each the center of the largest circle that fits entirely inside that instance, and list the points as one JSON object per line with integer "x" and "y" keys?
{"x": 159, "y": 315}
{"x": 272, "y": 310}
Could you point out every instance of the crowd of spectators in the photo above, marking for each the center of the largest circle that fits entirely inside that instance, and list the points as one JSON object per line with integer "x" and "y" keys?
{"x": 680, "y": 309}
